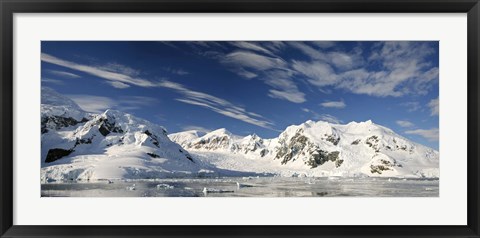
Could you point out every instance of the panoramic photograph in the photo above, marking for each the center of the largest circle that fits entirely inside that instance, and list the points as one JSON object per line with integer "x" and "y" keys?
{"x": 239, "y": 119}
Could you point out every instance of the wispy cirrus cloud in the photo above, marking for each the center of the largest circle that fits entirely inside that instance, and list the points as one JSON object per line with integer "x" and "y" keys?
{"x": 63, "y": 74}
{"x": 216, "y": 104}
{"x": 330, "y": 118}
{"x": 91, "y": 103}
{"x": 334, "y": 104}
{"x": 98, "y": 104}
{"x": 118, "y": 77}
{"x": 251, "y": 46}
{"x": 385, "y": 69}
{"x": 431, "y": 134}
{"x": 393, "y": 68}
{"x": 114, "y": 72}
{"x": 246, "y": 59}
{"x": 53, "y": 81}
{"x": 196, "y": 128}
{"x": 404, "y": 123}
{"x": 282, "y": 86}
{"x": 119, "y": 85}
{"x": 434, "y": 107}
{"x": 323, "y": 117}
{"x": 272, "y": 70}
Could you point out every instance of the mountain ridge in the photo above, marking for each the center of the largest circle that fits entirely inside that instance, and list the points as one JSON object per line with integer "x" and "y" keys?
{"x": 77, "y": 145}
{"x": 356, "y": 148}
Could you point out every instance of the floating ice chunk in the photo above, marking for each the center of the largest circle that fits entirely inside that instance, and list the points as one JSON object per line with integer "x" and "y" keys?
{"x": 164, "y": 186}
{"x": 239, "y": 185}
{"x": 131, "y": 188}
{"x": 214, "y": 190}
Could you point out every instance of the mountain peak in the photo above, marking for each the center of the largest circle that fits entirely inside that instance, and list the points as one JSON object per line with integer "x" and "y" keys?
{"x": 53, "y": 98}
{"x": 219, "y": 132}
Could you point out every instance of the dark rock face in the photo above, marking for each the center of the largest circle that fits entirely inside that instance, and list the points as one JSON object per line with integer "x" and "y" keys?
{"x": 333, "y": 139}
{"x": 263, "y": 152}
{"x": 189, "y": 157}
{"x": 320, "y": 157}
{"x": 107, "y": 126}
{"x": 212, "y": 144}
{"x": 153, "y": 138}
{"x": 153, "y": 155}
{"x": 58, "y": 122}
{"x": 297, "y": 143}
{"x": 300, "y": 144}
{"x": 83, "y": 141}
{"x": 384, "y": 166}
{"x": 372, "y": 142}
{"x": 356, "y": 142}
{"x": 56, "y": 154}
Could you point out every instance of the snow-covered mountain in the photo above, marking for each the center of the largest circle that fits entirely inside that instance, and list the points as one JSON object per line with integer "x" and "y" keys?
{"x": 318, "y": 149}
{"x": 110, "y": 145}
{"x": 116, "y": 145}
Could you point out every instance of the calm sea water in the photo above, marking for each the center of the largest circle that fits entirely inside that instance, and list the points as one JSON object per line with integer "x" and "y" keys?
{"x": 248, "y": 187}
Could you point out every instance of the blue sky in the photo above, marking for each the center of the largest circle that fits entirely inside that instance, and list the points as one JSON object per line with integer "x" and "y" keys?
{"x": 253, "y": 87}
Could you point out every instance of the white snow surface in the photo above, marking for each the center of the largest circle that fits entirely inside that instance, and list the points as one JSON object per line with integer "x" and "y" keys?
{"x": 128, "y": 148}
{"x": 114, "y": 145}
{"x": 363, "y": 149}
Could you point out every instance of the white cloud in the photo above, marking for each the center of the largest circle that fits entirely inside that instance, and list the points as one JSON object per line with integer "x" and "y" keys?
{"x": 282, "y": 86}
{"x": 95, "y": 104}
{"x": 196, "y": 128}
{"x": 273, "y": 71}
{"x": 403, "y": 123}
{"x": 342, "y": 60}
{"x": 401, "y": 68}
{"x": 251, "y": 46}
{"x": 98, "y": 104}
{"x": 120, "y": 85}
{"x": 322, "y": 117}
{"x": 215, "y": 104}
{"x": 319, "y": 73}
{"x": 274, "y": 46}
{"x": 244, "y": 59}
{"x": 63, "y": 74}
{"x": 329, "y": 118}
{"x": 120, "y": 68}
{"x": 112, "y": 72}
{"x": 246, "y": 74}
{"x": 53, "y": 81}
{"x": 309, "y": 50}
{"x": 434, "y": 107}
{"x": 292, "y": 96}
{"x": 334, "y": 104}
{"x": 431, "y": 135}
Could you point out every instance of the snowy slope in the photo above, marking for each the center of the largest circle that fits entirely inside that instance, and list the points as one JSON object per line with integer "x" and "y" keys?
{"x": 319, "y": 149}
{"x": 112, "y": 145}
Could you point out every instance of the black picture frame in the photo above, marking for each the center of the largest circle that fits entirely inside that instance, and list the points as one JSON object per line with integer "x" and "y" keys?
{"x": 9, "y": 7}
